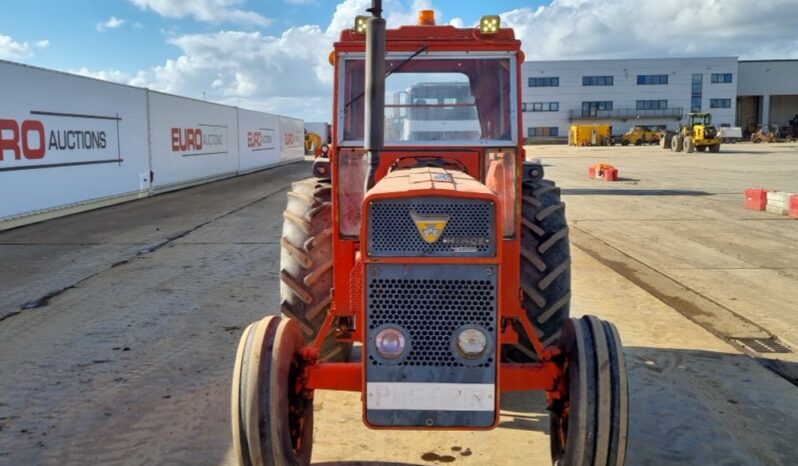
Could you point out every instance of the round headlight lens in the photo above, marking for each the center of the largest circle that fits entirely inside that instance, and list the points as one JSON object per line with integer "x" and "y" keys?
{"x": 472, "y": 343}
{"x": 390, "y": 343}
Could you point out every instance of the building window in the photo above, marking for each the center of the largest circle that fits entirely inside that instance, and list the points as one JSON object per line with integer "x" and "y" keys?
{"x": 721, "y": 78}
{"x": 544, "y": 82}
{"x": 652, "y": 79}
{"x": 542, "y": 107}
{"x": 652, "y": 104}
{"x": 719, "y": 103}
{"x": 592, "y": 108}
{"x": 696, "y": 92}
{"x": 543, "y": 131}
{"x": 597, "y": 80}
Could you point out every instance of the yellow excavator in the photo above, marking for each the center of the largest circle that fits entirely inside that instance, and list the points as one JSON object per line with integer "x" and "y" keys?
{"x": 312, "y": 143}
{"x": 697, "y": 135}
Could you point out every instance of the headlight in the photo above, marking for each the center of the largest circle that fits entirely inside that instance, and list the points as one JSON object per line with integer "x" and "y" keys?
{"x": 390, "y": 343}
{"x": 472, "y": 343}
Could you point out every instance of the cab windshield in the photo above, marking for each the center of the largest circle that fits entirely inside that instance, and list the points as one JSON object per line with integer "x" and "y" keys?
{"x": 435, "y": 100}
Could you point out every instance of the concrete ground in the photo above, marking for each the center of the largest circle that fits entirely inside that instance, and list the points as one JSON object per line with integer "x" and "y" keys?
{"x": 129, "y": 359}
{"x": 675, "y": 224}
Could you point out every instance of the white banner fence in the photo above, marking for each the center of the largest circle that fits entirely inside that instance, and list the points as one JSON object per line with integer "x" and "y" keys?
{"x": 70, "y": 143}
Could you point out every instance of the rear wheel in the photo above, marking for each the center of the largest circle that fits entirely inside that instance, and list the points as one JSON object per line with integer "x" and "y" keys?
{"x": 306, "y": 262}
{"x": 625, "y": 142}
{"x": 272, "y": 412}
{"x": 545, "y": 265}
{"x": 639, "y": 142}
{"x": 589, "y": 425}
{"x": 714, "y": 148}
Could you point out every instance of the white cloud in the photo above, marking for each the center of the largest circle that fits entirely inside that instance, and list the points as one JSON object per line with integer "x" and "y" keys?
{"x": 289, "y": 73}
{"x": 214, "y": 11}
{"x": 457, "y": 22}
{"x": 11, "y": 49}
{"x": 570, "y": 29}
{"x": 112, "y": 23}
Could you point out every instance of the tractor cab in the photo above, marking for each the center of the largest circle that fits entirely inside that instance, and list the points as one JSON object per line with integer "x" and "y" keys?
{"x": 451, "y": 102}
{"x": 426, "y": 240}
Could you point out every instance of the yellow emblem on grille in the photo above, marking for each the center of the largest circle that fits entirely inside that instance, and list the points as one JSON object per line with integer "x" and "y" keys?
{"x": 430, "y": 226}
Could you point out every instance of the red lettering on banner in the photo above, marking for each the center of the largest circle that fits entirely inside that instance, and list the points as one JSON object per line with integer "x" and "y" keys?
{"x": 9, "y": 143}
{"x": 37, "y": 128}
{"x": 175, "y": 139}
{"x": 186, "y": 139}
{"x": 19, "y": 139}
{"x": 254, "y": 139}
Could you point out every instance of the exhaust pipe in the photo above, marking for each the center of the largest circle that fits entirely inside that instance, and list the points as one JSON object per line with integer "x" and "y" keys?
{"x": 374, "y": 127}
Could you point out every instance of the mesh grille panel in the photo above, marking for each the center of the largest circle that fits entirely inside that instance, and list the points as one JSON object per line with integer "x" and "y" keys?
{"x": 470, "y": 230}
{"x": 430, "y": 310}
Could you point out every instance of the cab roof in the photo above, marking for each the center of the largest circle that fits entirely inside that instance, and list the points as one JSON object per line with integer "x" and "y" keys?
{"x": 437, "y": 38}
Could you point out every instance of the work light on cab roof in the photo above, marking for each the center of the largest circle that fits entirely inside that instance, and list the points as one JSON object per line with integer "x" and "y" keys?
{"x": 489, "y": 25}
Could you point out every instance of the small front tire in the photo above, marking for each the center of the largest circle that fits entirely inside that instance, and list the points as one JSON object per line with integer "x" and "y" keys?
{"x": 589, "y": 425}
{"x": 272, "y": 415}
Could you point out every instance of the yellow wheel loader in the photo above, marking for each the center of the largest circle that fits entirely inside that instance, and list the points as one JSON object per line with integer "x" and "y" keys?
{"x": 697, "y": 135}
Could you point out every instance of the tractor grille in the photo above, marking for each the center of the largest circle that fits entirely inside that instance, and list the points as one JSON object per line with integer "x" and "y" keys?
{"x": 470, "y": 231}
{"x": 431, "y": 302}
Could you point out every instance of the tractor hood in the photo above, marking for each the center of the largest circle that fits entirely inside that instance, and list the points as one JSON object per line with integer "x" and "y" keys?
{"x": 429, "y": 181}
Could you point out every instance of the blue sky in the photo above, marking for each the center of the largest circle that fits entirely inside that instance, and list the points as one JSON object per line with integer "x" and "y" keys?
{"x": 139, "y": 42}
{"x": 271, "y": 55}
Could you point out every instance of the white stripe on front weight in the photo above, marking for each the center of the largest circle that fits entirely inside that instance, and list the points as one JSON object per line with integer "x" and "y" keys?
{"x": 431, "y": 396}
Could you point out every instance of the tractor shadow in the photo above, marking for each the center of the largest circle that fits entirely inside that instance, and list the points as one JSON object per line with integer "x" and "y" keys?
{"x": 632, "y": 192}
{"x": 364, "y": 463}
{"x": 524, "y": 411}
{"x": 707, "y": 407}
{"x": 685, "y": 407}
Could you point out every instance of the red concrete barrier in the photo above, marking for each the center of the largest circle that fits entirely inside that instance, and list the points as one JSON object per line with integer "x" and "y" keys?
{"x": 603, "y": 171}
{"x": 756, "y": 198}
{"x": 794, "y": 206}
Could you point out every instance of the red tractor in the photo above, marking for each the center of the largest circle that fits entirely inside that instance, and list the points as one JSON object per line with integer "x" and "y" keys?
{"x": 427, "y": 241}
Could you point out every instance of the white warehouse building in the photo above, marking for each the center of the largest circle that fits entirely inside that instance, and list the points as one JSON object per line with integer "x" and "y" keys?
{"x": 625, "y": 93}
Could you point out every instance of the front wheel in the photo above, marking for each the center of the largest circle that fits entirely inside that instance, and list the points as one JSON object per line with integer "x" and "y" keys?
{"x": 589, "y": 423}
{"x": 689, "y": 145}
{"x": 272, "y": 412}
{"x": 676, "y": 143}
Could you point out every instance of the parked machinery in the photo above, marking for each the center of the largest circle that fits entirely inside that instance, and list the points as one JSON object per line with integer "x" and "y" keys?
{"x": 765, "y": 133}
{"x": 313, "y": 143}
{"x": 590, "y": 135}
{"x": 447, "y": 259}
{"x": 639, "y": 135}
{"x": 698, "y": 134}
{"x": 665, "y": 138}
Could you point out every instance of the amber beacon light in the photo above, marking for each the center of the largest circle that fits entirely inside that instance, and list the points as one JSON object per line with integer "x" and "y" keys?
{"x": 426, "y": 18}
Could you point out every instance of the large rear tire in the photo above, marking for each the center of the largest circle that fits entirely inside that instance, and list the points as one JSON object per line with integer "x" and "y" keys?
{"x": 589, "y": 427}
{"x": 306, "y": 263}
{"x": 545, "y": 265}
{"x": 272, "y": 414}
